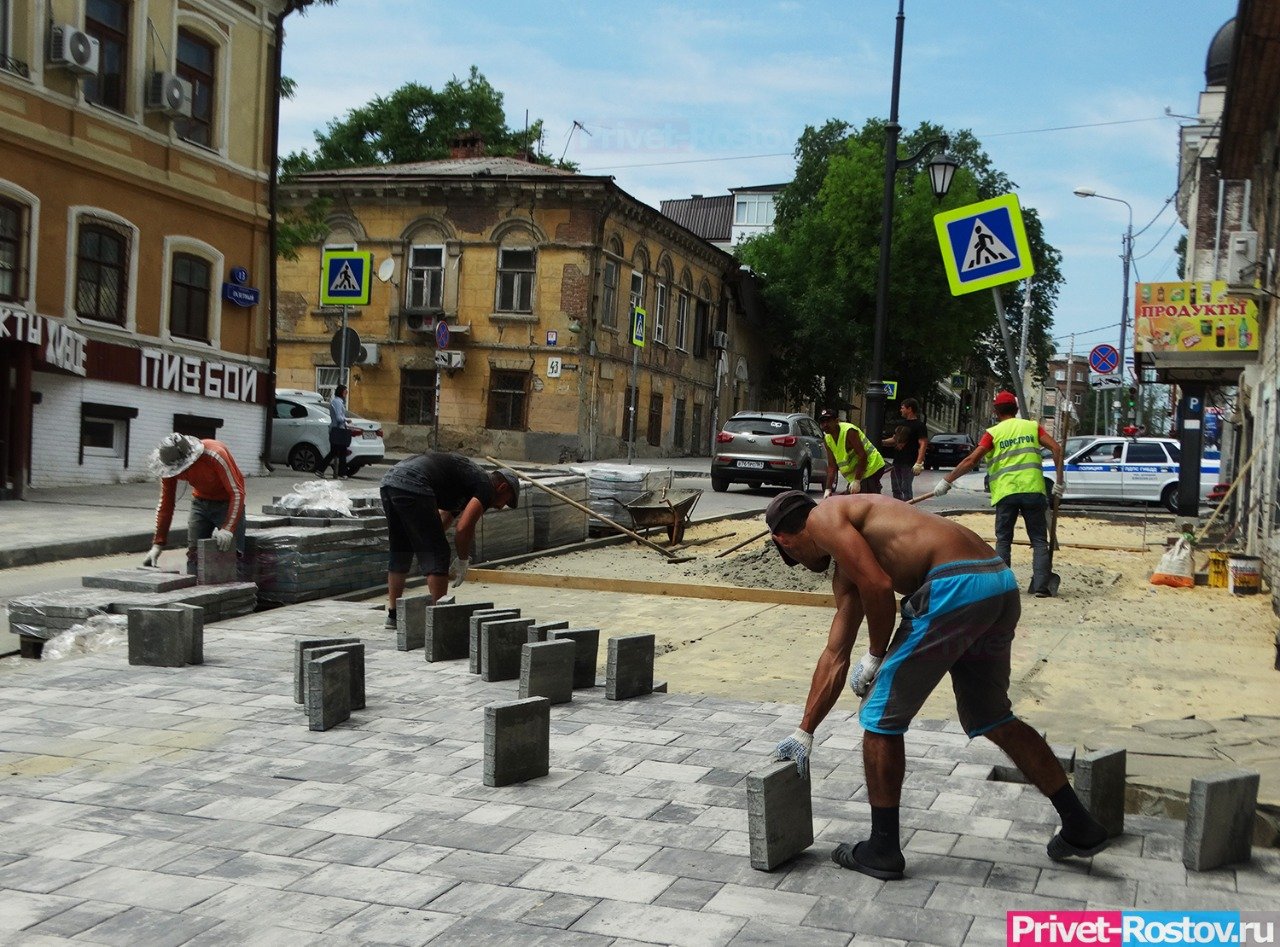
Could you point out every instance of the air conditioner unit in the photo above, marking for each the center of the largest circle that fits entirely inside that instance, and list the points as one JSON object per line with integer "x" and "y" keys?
{"x": 368, "y": 354}
{"x": 720, "y": 340}
{"x": 74, "y": 50}
{"x": 1242, "y": 261}
{"x": 450, "y": 359}
{"x": 417, "y": 322}
{"x": 169, "y": 94}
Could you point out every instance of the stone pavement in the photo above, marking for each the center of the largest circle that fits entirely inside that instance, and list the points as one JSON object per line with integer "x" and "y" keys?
{"x": 171, "y": 806}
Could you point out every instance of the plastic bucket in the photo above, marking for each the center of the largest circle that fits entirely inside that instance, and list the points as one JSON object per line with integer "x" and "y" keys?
{"x": 1244, "y": 575}
{"x": 1218, "y": 570}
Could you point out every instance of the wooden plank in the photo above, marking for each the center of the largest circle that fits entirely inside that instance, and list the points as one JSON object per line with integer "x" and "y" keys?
{"x": 722, "y": 593}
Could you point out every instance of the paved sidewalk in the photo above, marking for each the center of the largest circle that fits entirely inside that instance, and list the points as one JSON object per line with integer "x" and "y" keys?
{"x": 161, "y": 806}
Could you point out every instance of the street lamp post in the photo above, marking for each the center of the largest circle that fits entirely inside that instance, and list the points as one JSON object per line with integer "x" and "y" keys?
{"x": 1127, "y": 257}
{"x": 941, "y": 169}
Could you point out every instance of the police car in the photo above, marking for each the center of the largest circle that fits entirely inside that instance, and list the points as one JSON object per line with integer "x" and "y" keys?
{"x": 1129, "y": 469}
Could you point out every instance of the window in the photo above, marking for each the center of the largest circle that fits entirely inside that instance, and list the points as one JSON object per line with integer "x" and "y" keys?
{"x": 104, "y": 431}
{"x": 1145, "y": 454}
{"x": 107, "y": 21}
{"x": 189, "y": 297}
{"x": 327, "y": 379}
{"x": 695, "y": 432}
{"x": 102, "y": 259}
{"x": 637, "y": 290}
{"x": 660, "y": 314}
{"x": 682, "y": 321}
{"x": 426, "y": 278}
{"x": 197, "y": 58}
{"x": 417, "y": 396}
{"x": 515, "y": 280}
{"x": 655, "y": 420}
{"x": 609, "y": 299}
{"x": 753, "y": 210}
{"x": 701, "y": 328}
{"x": 13, "y": 250}
{"x": 197, "y": 425}
{"x": 677, "y": 425}
{"x": 1060, "y": 375}
{"x": 7, "y": 62}
{"x": 508, "y": 401}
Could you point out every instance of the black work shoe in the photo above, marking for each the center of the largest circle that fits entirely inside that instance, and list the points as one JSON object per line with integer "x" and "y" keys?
{"x": 857, "y": 858}
{"x": 1059, "y": 849}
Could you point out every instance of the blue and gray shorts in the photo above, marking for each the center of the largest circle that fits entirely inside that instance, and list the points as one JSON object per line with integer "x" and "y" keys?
{"x": 961, "y": 620}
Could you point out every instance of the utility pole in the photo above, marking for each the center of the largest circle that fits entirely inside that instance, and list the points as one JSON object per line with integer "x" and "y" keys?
{"x": 1062, "y": 426}
{"x": 1026, "y": 322}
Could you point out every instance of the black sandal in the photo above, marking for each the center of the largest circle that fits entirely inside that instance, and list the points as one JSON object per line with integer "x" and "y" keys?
{"x": 1059, "y": 849}
{"x": 846, "y": 856}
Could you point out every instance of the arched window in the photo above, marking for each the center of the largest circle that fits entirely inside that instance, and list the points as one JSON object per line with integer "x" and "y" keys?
{"x": 102, "y": 272}
{"x": 682, "y": 311}
{"x": 197, "y": 62}
{"x": 661, "y": 292}
{"x": 15, "y": 249}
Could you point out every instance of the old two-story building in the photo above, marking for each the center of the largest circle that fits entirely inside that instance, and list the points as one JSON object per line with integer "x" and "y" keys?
{"x": 135, "y": 151}
{"x": 505, "y": 323}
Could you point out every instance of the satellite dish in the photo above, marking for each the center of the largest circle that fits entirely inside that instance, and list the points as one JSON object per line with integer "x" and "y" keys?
{"x": 386, "y": 268}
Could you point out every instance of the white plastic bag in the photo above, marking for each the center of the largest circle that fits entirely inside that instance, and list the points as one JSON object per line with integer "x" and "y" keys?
{"x": 316, "y": 498}
{"x": 1176, "y": 567}
{"x": 97, "y": 634}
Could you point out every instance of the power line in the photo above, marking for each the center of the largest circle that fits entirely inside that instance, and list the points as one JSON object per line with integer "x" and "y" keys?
{"x": 1067, "y": 335}
{"x": 1067, "y": 128}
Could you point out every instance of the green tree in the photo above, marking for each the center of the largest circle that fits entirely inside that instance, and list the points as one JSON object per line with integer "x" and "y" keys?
{"x": 416, "y": 123}
{"x": 820, "y": 265}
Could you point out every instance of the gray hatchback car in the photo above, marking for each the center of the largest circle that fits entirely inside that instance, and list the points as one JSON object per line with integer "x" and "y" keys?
{"x": 759, "y": 447}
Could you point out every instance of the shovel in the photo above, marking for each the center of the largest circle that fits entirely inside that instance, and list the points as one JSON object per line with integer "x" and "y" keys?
{"x": 1055, "y": 580}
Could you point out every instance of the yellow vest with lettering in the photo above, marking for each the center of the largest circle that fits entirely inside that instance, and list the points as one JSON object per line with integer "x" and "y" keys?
{"x": 846, "y": 461}
{"x": 1014, "y": 462}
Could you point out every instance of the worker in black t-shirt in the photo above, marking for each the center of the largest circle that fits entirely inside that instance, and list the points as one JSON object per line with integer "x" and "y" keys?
{"x": 908, "y": 453}
{"x": 422, "y": 496}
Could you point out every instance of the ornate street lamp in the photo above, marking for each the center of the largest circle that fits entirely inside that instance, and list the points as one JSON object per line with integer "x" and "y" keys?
{"x": 941, "y": 170}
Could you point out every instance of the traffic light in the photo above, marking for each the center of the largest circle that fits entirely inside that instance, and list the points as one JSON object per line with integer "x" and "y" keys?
{"x": 1131, "y": 396}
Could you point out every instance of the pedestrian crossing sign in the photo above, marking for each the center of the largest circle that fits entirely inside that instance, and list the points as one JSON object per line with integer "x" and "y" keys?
{"x": 984, "y": 244}
{"x": 345, "y": 278}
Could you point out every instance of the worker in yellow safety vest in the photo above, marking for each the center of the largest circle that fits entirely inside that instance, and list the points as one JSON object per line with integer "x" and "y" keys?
{"x": 1017, "y": 483}
{"x": 850, "y": 452}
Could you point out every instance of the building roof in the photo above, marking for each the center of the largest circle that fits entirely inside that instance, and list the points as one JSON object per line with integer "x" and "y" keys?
{"x": 711, "y": 218}
{"x": 489, "y": 166}
{"x": 752, "y": 188}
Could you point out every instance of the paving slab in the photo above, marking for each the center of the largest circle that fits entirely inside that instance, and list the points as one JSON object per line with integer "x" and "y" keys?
{"x": 194, "y": 808}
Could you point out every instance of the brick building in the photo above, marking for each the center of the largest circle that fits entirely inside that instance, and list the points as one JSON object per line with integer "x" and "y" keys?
{"x": 135, "y": 153}
{"x": 534, "y": 271}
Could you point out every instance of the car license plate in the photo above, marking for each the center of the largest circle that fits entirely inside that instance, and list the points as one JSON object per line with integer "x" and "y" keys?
{"x": 370, "y": 435}
{"x": 751, "y": 465}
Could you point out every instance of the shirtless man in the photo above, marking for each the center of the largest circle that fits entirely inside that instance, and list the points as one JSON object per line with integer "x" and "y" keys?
{"x": 959, "y": 611}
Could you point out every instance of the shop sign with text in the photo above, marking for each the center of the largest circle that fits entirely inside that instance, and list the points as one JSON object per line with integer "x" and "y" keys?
{"x": 1193, "y": 318}
{"x": 57, "y": 345}
{"x": 189, "y": 375}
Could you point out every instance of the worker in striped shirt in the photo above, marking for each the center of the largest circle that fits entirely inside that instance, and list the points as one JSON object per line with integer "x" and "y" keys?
{"x": 217, "y": 494}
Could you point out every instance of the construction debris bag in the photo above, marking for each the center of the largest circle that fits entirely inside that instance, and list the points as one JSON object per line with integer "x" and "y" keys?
{"x": 99, "y": 633}
{"x": 317, "y": 498}
{"x": 1176, "y": 567}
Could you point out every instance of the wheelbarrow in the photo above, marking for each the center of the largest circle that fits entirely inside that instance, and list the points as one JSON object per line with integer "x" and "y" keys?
{"x": 669, "y": 508}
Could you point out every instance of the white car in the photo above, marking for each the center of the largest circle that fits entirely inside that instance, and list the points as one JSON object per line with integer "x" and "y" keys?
{"x": 1129, "y": 469}
{"x": 300, "y": 433}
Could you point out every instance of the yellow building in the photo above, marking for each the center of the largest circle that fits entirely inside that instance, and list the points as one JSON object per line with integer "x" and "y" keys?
{"x": 135, "y": 153}
{"x": 532, "y": 274}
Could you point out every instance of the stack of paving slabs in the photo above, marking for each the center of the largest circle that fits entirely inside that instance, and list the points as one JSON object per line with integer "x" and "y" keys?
{"x": 308, "y": 559}
{"x": 47, "y": 614}
{"x": 555, "y": 522}
{"x": 613, "y": 486}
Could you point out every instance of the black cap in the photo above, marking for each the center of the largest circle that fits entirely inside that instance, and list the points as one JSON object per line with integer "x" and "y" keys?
{"x": 782, "y": 506}
{"x": 828, "y": 414}
{"x": 514, "y": 483}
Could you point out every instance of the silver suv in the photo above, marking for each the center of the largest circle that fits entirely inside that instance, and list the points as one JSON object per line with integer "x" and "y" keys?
{"x": 759, "y": 447}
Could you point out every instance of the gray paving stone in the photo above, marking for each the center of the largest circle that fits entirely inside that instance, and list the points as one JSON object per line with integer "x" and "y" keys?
{"x": 328, "y": 680}
{"x": 411, "y": 621}
{"x": 148, "y": 889}
{"x": 294, "y": 909}
{"x": 43, "y": 875}
{"x": 761, "y": 904}
{"x": 629, "y": 667}
{"x": 517, "y": 737}
{"x": 689, "y": 894}
{"x": 596, "y": 881}
{"x": 501, "y": 645}
{"x": 546, "y": 670}
{"x": 20, "y": 910}
{"x": 447, "y": 628}
{"x": 214, "y": 567}
{"x": 150, "y": 927}
{"x": 1220, "y": 815}
{"x": 918, "y": 925}
{"x": 300, "y": 645}
{"x": 477, "y": 619}
{"x": 586, "y": 653}
{"x": 159, "y": 637}
{"x": 377, "y": 885}
{"x": 268, "y": 871}
{"x": 77, "y": 919}
{"x": 1100, "y": 783}
{"x": 757, "y": 933}
{"x": 539, "y": 631}
{"x": 355, "y": 650}
{"x": 483, "y": 930}
{"x": 478, "y": 899}
{"x": 196, "y": 617}
{"x": 355, "y": 850}
{"x": 558, "y": 910}
{"x": 779, "y": 815}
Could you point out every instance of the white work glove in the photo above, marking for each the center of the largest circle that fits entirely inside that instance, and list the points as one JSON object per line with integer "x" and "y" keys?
{"x": 798, "y": 747}
{"x": 153, "y": 557}
{"x": 459, "y": 571}
{"x": 855, "y": 486}
{"x": 1058, "y": 490}
{"x": 826, "y": 493}
{"x": 942, "y": 487}
{"x": 864, "y": 674}
{"x": 917, "y": 470}
{"x": 223, "y": 538}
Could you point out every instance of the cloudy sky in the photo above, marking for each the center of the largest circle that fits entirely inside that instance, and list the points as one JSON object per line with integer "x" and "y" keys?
{"x": 698, "y": 97}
